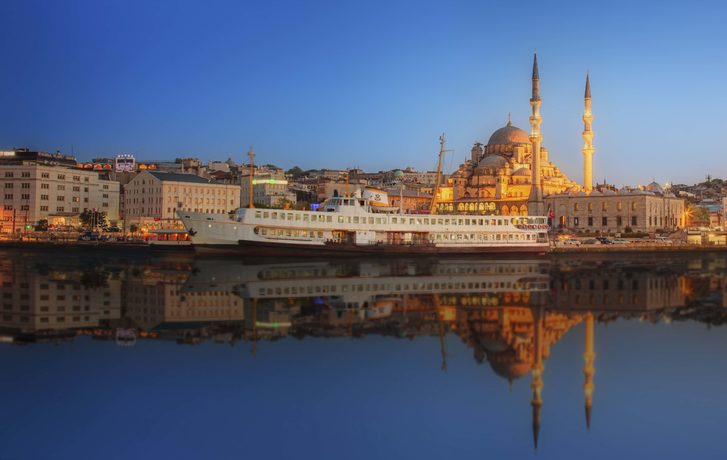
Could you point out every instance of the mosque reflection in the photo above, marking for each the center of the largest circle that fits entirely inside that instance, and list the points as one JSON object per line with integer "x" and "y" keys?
{"x": 510, "y": 312}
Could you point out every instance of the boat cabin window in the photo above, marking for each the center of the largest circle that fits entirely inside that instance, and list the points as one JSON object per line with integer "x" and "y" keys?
{"x": 258, "y": 214}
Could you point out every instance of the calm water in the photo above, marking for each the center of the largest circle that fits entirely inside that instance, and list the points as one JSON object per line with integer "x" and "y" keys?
{"x": 163, "y": 356}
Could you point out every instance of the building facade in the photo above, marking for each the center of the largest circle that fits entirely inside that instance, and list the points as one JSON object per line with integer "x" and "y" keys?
{"x": 269, "y": 189}
{"x": 152, "y": 199}
{"x": 40, "y": 186}
{"x": 610, "y": 212}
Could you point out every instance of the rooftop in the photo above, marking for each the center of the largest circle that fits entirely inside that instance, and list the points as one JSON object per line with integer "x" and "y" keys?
{"x": 176, "y": 177}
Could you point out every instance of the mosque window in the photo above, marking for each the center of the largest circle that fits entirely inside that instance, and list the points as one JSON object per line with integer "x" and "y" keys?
{"x": 590, "y": 221}
{"x": 604, "y": 221}
{"x": 633, "y": 206}
{"x": 604, "y": 207}
{"x": 590, "y": 206}
{"x": 619, "y": 206}
{"x": 634, "y": 220}
{"x": 576, "y": 207}
{"x": 575, "y": 222}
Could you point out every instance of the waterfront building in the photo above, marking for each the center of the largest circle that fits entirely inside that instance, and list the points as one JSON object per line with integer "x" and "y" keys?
{"x": 40, "y": 186}
{"x": 269, "y": 189}
{"x": 152, "y": 198}
{"x": 611, "y": 211}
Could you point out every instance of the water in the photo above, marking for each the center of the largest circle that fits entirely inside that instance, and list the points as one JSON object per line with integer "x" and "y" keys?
{"x": 165, "y": 356}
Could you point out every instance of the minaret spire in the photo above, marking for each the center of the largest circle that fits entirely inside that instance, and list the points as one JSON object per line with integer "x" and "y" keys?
{"x": 535, "y": 201}
{"x": 589, "y": 368}
{"x": 588, "y": 148}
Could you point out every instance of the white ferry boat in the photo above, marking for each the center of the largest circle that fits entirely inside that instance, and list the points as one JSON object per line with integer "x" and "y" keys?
{"x": 345, "y": 225}
{"x": 363, "y": 224}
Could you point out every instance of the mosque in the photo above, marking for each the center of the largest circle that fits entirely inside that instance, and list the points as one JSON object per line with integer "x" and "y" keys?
{"x": 505, "y": 177}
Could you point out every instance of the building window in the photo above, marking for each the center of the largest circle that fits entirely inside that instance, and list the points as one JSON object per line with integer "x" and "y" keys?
{"x": 60, "y": 209}
{"x": 44, "y": 197}
{"x": 25, "y": 207}
{"x": 8, "y": 185}
{"x": 619, "y": 206}
{"x": 76, "y": 188}
{"x": 575, "y": 222}
{"x": 45, "y": 175}
{"x": 576, "y": 207}
{"x": 8, "y": 174}
{"x": 25, "y": 174}
{"x": 46, "y": 186}
{"x": 25, "y": 196}
{"x": 8, "y": 207}
{"x": 634, "y": 220}
{"x": 8, "y": 196}
{"x": 618, "y": 221}
{"x": 590, "y": 206}
{"x": 590, "y": 220}
{"x": 44, "y": 208}
{"x": 61, "y": 198}
{"x": 633, "y": 206}
{"x": 61, "y": 187}
{"x": 25, "y": 185}
{"x": 61, "y": 177}
{"x": 604, "y": 221}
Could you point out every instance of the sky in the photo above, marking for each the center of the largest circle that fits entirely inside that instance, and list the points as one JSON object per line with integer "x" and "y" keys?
{"x": 367, "y": 84}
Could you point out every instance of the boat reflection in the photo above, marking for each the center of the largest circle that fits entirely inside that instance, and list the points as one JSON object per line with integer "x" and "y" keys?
{"x": 510, "y": 313}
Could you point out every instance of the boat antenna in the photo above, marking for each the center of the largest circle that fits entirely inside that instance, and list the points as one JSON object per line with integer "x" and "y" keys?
{"x": 433, "y": 206}
{"x": 251, "y": 155}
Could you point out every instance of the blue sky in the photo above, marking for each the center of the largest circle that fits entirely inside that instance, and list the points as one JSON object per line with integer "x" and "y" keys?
{"x": 369, "y": 84}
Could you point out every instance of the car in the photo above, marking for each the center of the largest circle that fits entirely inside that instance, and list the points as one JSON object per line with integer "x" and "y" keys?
{"x": 88, "y": 236}
{"x": 604, "y": 240}
{"x": 572, "y": 242}
{"x": 619, "y": 241}
{"x": 591, "y": 241}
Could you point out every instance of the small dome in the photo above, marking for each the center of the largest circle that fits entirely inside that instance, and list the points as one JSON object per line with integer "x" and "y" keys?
{"x": 522, "y": 171}
{"x": 493, "y": 161}
{"x": 655, "y": 187}
{"x": 509, "y": 135}
{"x": 510, "y": 370}
{"x": 398, "y": 173}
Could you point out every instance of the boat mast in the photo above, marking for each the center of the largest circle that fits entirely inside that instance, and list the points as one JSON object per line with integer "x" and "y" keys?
{"x": 433, "y": 207}
{"x": 251, "y": 155}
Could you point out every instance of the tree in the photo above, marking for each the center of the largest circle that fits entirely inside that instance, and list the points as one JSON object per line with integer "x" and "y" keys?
{"x": 295, "y": 172}
{"x": 697, "y": 216}
{"x": 92, "y": 219}
{"x": 133, "y": 228}
{"x": 42, "y": 225}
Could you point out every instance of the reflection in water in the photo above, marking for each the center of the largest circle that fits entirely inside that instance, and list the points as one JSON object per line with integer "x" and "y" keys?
{"x": 510, "y": 313}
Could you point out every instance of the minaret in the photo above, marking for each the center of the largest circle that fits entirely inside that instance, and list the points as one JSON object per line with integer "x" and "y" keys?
{"x": 535, "y": 201}
{"x": 589, "y": 368}
{"x": 537, "y": 383}
{"x": 588, "y": 149}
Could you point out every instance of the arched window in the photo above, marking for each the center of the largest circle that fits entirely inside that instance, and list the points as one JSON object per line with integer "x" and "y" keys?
{"x": 505, "y": 210}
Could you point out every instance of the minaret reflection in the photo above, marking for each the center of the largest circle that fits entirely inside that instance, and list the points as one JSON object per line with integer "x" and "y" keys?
{"x": 537, "y": 374}
{"x": 589, "y": 369}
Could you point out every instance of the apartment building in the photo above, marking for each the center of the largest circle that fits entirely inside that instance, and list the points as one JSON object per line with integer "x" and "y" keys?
{"x": 152, "y": 199}
{"x": 37, "y": 186}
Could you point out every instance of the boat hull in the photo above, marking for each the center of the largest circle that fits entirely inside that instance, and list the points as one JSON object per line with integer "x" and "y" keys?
{"x": 261, "y": 249}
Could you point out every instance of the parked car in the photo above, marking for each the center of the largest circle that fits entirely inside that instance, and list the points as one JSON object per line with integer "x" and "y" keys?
{"x": 591, "y": 241}
{"x": 88, "y": 236}
{"x": 572, "y": 242}
{"x": 619, "y": 241}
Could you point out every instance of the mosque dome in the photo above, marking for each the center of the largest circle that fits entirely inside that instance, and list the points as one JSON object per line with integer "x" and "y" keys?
{"x": 522, "y": 171}
{"x": 493, "y": 161}
{"x": 508, "y": 135}
{"x": 510, "y": 369}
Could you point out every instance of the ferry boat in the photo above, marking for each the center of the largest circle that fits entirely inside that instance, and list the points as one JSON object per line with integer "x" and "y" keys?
{"x": 346, "y": 225}
{"x": 363, "y": 224}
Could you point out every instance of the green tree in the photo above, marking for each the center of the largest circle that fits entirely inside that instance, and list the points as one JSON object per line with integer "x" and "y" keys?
{"x": 42, "y": 225}
{"x": 92, "y": 219}
{"x": 295, "y": 172}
